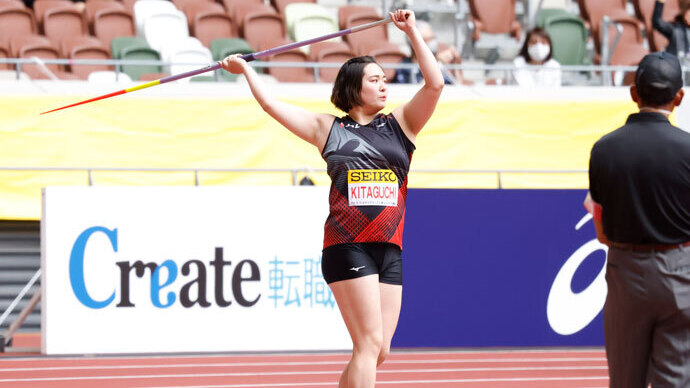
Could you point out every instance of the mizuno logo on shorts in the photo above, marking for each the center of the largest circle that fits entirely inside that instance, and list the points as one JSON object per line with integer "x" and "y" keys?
{"x": 356, "y": 269}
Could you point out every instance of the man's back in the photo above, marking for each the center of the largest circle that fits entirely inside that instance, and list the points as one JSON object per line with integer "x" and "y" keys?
{"x": 641, "y": 173}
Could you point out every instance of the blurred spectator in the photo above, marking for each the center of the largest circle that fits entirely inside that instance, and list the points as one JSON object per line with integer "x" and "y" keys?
{"x": 536, "y": 51}
{"x": 676, "y": 32}
{"x": 445, "y": 55}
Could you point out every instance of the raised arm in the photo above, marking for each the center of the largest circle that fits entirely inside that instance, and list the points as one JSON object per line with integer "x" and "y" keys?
{"x": 309, "y": 126}
{"x": 660, "y": 24}
{"x": 415, "y": 113}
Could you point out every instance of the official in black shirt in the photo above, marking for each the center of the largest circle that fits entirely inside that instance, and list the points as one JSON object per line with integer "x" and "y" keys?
{"x": 639, "y": 183}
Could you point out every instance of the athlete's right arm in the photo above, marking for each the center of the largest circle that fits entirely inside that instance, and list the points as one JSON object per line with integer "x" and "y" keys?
{"x": 311, "y": 127}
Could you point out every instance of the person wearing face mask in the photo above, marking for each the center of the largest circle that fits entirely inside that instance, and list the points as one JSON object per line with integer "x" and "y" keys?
{"x": 444, "y": 54}
{"x": 536, "y": 51}
{"x": 678, "y": 32}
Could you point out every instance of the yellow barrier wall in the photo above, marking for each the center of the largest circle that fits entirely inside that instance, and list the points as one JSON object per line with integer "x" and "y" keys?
{"x": 476, "y": 133}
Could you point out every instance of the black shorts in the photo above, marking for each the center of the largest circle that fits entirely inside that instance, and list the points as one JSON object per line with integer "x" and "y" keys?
{"x": 354, "y": 260}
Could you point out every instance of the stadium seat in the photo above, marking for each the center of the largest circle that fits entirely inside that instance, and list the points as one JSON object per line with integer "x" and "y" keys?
{"x": 16, "y": 22}
{"x": 280, "y": 5}
{"x": 547, "y": 13}
{"x": 241, "y": 8}
{"x": 143, "y": 9}
{"x": 262, "y": 25}
{"x": 288, "y": 74}
{"x": 135, "y": 48}
{"x": 39, "y": 47}
{"x": 41, "y": 6}
{"x": 5, "y": 53}
{"x": 165, "y": 29}
{"x": 630, "y": 48}
{"x": 221, "y": 48}
{"x": 308, "y": 20}
{"x": 230, "y": 6}
{"x": 121, "y": 42}
{"x": 94, "y": 6}
{"x": 86, "y": 47}
{"x": 182, "y": 44}
{"x": 346, "y": 11}
{"x": 332, "y": 4}
{"x": 569, "y": 39}
{"x": 111, "y": 23}
{"x": 129, "y": 5}
{"x": 495, "y": 27}
{"x": 188, "y": 58}
{"x": 365, "y": 37}
{"x": 593, "y": 11}
{"x": 64, "y": 22}
{"x": 385, "y": 53}
{"x": 330, "y": 52}
{"x": 209, "y": 21}
{"x": 534, "y": 7}
{"x": 14, "y": 4}
{"x": 644, "y": 10}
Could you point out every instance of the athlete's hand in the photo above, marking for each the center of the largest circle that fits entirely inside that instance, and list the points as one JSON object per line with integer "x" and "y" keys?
{"x": 234, "y": 64}
{"x": 403, "y": 19}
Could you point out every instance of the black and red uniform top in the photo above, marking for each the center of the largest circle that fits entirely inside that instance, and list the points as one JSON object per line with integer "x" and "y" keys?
{"x": 368, "y": 166}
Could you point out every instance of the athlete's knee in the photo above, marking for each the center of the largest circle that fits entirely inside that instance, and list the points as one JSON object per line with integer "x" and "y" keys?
{"x": 370, "y": 343}
{"x": 383, "y": 354}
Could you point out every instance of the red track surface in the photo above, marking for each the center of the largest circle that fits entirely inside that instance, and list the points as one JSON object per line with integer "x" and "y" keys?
{"x": 410, "y": 369}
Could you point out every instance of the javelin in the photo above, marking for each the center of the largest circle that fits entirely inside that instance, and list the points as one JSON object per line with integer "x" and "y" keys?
{"x": 246, "y": 57}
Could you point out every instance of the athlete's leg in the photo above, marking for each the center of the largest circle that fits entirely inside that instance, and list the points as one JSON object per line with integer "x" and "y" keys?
{"x": 360, "y": 305}
{"x": 391, "y": 299}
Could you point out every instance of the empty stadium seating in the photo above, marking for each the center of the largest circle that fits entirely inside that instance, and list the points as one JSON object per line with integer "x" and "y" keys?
{"x": 330, "y": 52}
{"x": 136, "y": 48}
{"x": 288, "y": 74}
{"x": 112, "y": 23}
{"x": 167, "y": 26}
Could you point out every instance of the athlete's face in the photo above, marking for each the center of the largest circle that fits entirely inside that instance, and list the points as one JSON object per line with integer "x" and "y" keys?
{"x": 374, "y": 90}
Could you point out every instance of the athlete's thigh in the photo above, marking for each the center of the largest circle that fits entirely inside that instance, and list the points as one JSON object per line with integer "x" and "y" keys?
{"x": 360, "y": 305}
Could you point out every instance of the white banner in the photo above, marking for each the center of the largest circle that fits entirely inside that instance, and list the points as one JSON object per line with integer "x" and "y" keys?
{"x": 186, "y": 269}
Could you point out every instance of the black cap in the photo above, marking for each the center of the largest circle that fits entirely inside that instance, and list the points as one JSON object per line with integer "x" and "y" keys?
{"x": 658, "y": 77}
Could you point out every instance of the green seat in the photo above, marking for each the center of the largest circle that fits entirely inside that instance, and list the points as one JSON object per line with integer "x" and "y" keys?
{"x": 546, "y": 13}
{"x": 568, "y": 38}
{"x": 222, "y": 47}
{"x": 135, "y": 48}
{"x": 117, "y": 44}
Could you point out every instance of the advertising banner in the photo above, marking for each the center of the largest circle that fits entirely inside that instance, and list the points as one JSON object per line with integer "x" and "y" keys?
{"x": 185, "y": 269}
{"x": 501, "y": 268}
{"x": 192, "y": 269}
